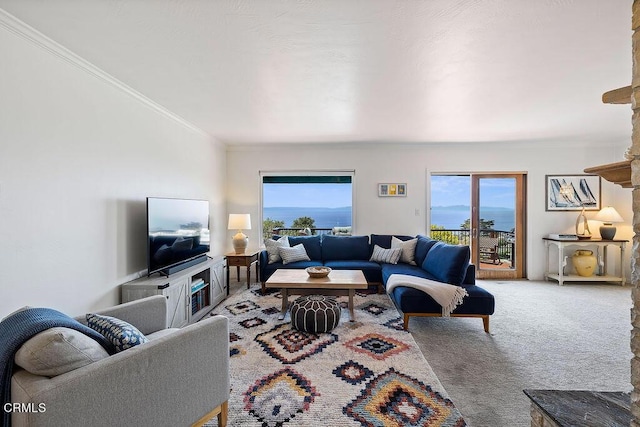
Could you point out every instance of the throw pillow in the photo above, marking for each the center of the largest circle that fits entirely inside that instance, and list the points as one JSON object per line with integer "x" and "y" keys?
{"x": 121, "y": 334}
{"x": 408, "y": 249}
{"x": 387, "y": 256}
{"x": 272, "y": 247}
{"x": 58, "y": 350}
{"x": 447, "y": 263}
{"x": 296, "y": 253}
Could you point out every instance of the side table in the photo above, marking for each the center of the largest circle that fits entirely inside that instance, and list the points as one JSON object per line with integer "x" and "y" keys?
{"x": 246, "y": 259}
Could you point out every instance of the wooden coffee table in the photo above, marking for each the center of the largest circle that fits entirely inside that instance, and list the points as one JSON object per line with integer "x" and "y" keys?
{"x": 297, "y": 281}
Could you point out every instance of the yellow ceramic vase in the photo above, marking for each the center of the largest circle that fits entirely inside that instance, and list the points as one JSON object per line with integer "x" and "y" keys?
{"x": 584, "y": 262}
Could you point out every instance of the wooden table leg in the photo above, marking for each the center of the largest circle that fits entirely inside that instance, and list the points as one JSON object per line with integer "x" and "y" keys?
{"x": 258, "y": 277}
{"x": 285, "y": 303}
{"x": 352, "y": 315}
{"x": 248, "y": 276}
{"x": 228, "y": 282}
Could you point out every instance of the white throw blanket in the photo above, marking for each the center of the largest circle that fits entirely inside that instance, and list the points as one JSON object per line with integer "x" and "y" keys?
{"x": 448, "y": 296}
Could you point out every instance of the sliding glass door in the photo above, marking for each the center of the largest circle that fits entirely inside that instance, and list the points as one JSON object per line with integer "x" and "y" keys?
{"x": 486, "y": 212}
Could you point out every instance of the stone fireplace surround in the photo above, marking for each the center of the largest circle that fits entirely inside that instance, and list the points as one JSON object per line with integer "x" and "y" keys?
{"x": 635, "y": 181}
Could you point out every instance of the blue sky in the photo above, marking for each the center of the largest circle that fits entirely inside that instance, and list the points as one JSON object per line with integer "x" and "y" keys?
{"x": 451, "y": 190}
{"x": 307, "y": 195}
{"x": 446, "y": 190}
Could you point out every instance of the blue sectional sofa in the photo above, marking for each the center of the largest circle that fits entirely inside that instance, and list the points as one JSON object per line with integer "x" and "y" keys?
{"x": 431, "y": 260}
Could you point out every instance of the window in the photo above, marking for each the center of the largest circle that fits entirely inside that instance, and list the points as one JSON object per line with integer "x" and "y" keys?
{"x": 306, "y": 202}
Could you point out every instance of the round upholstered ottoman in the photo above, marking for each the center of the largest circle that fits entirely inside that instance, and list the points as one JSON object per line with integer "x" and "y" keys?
{"x": 315, "y": 313}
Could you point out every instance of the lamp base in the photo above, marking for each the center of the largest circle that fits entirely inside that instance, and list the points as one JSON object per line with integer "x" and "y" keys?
{"x": 240, "y": 242}
{"x": 607, "y": 232}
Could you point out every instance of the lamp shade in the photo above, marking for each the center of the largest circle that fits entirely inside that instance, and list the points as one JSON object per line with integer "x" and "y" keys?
{"x": 239, "y": 222}
{"x": 608, "y": 215}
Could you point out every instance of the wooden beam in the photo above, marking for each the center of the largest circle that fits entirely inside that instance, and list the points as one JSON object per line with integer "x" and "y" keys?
{"x": 618, "y": 96}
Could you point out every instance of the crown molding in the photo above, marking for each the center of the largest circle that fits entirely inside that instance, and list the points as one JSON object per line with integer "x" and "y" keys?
{"x": 30, "y": 34}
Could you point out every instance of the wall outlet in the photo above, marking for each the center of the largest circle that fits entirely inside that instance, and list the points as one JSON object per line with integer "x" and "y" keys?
{"x": 417, "y": 211}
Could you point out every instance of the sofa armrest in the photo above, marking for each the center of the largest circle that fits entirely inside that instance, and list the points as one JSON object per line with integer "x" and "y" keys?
{"x": 147, "y": 314}
{"x": 263, "y": 260}
{"x": 470, "y": 276}
{"x": 172, "y": 380}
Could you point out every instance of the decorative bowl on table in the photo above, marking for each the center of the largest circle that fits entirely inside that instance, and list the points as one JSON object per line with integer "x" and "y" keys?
{"x": 318, "y": 272}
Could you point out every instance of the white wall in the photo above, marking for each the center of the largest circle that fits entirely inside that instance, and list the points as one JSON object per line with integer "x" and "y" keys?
{"x": 78, "y": 157}
{"x": 378, "y": 162}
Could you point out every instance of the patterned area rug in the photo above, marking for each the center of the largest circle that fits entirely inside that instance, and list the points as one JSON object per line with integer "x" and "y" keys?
{"x": 364, "y": 373}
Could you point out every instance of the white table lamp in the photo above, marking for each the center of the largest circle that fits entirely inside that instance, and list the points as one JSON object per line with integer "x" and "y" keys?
{"x": 239, "y": 222}
{"x": 608, "y": 215}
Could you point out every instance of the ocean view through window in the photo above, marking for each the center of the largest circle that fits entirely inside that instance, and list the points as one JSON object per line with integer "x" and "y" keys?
{"x": 301, "y": 204}
{"x": 451, "y": 198}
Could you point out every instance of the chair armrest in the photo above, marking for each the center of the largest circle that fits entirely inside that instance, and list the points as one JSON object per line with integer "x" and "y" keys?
{"x": 147, "y": 314}
{"x": 172, "y": 380}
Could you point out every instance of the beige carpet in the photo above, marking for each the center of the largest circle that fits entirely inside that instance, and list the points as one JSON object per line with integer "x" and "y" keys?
{"x": 543, "y": 336}
{"x": 364, "y": 373}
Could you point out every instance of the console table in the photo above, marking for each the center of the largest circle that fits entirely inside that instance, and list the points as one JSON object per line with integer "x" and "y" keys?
{"x": 602, "y": 274}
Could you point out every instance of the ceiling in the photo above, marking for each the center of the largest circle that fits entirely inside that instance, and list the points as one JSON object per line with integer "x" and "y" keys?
{"x": 360, "y": 71}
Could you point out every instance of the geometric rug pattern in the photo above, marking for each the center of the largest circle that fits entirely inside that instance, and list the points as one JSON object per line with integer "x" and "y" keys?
{"x": 364, "y": 373}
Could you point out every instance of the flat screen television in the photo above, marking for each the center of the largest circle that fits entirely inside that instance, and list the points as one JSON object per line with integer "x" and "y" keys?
{"x": 177, "y": 233}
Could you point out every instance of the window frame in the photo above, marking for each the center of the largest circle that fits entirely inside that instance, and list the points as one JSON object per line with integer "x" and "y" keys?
{"x": 309, "y": 173}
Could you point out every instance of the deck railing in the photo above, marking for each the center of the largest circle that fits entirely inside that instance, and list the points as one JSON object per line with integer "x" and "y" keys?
{"x": 503, "y": 241}
{"x": 301, "y": 231}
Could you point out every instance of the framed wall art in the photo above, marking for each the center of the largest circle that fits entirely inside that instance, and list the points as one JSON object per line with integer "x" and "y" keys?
{"x": 392, "y": 190}
{"x": 572, "y": 192}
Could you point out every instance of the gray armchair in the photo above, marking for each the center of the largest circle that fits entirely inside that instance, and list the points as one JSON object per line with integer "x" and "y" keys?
{"x": 179, "y": 378}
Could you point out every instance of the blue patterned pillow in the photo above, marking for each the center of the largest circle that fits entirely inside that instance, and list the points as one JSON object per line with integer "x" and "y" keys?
{"x": 121, "y": 334}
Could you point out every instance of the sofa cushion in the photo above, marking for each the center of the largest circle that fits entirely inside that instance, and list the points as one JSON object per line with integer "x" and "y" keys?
{"x": 58, "y": 350}
{"x": 412, "y": 270}
{"x": 345, "y": 247}
{"x": 422, "y": 247}
{"x": 447, "y": 263}
{"x": 408, "y": 247}
{"x": 384, "y": 240}
{"x": 272, "y": 246}
{"x": 385, "y": 256}
{"x": 293, "y": 254}
{"x": 121, "y": 334}
{"x": 311, "y": 245}
{"x": 370, "y": 269}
